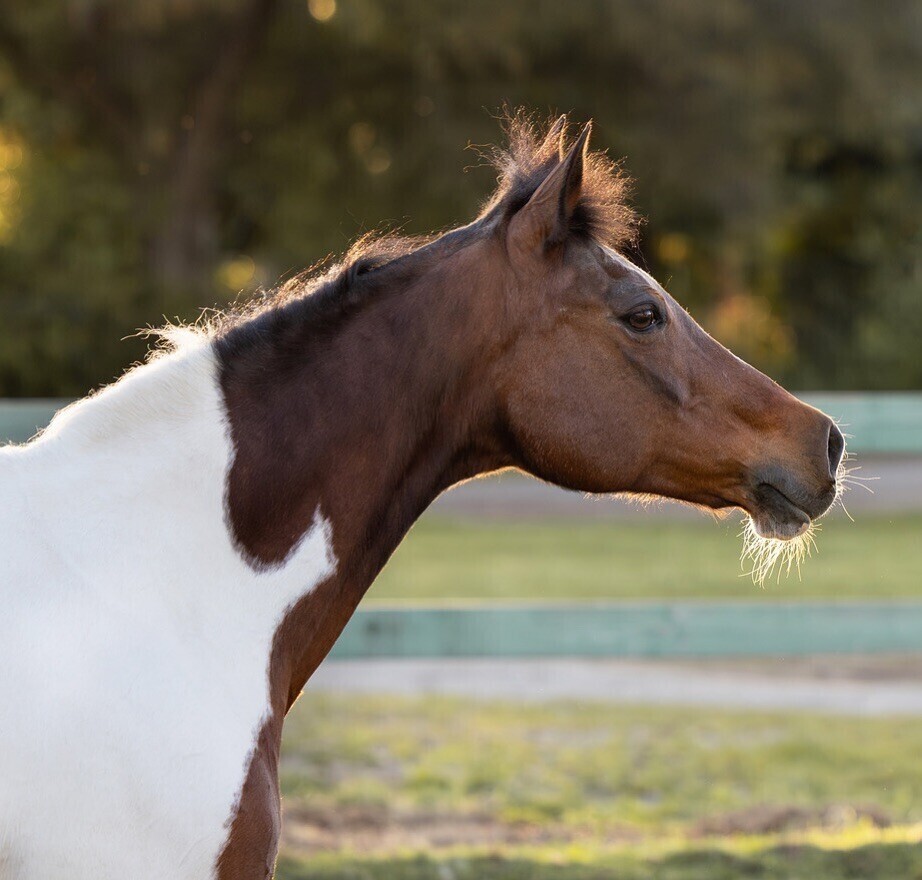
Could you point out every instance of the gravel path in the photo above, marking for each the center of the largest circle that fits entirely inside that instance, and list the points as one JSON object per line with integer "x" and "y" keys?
{"x": 804, "y": 685}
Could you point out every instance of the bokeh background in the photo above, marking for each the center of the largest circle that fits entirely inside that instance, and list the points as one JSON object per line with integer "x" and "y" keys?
{"x": 161, "y": 156}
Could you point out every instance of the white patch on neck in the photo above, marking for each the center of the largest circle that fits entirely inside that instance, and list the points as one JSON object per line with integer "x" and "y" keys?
{"x": 134, "y": 639}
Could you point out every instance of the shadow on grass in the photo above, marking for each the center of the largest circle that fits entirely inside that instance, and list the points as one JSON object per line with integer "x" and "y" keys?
{"x": 894, "y": 861}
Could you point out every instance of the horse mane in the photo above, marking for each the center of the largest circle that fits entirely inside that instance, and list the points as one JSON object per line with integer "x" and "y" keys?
{"x": 327, "y": 293}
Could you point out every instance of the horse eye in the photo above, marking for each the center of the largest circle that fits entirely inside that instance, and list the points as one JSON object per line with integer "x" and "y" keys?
{"x": 643, "y": 318}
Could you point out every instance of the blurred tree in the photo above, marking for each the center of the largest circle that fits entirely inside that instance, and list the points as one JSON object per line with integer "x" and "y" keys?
{"x": 163, "y": 155}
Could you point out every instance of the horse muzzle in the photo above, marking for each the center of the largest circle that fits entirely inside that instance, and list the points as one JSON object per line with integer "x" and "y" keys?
{"x": 783, "y": 501}
{"x": 783, "y": 508}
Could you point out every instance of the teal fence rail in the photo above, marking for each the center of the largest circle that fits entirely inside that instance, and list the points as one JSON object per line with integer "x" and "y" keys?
{"x": 674, "y": 629}
{"x": 20, "y": 419}
{"x": 880, "y": 422}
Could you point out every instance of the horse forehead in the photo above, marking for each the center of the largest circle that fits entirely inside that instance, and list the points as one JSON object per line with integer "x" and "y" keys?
{"x": 634, "y": 270}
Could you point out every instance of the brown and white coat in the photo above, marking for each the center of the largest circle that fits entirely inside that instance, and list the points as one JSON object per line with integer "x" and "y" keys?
{"x": 181, "y": 550}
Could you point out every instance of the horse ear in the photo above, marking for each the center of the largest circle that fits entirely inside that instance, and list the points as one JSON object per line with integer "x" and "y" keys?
{"x": 555, "y": 139}
{"x": 545, "y": 219}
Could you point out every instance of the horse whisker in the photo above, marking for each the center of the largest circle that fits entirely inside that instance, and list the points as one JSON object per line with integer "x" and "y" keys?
{"x": 771, "y": 556}
{"x": 848, "y": 484}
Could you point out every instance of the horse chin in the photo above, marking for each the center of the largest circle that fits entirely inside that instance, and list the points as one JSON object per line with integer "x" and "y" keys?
{"x": 769, "y": 528}
{"x": 775, "y": 516}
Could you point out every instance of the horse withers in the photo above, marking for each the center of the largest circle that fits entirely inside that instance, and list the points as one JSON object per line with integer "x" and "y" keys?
{"x": 181, "y": 549}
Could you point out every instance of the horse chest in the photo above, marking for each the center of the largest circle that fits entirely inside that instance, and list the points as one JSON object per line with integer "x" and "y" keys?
{"x": 127, "y": 775}
{"x": 136, "y": 666}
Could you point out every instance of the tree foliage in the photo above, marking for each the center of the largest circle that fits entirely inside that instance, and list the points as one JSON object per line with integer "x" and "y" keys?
{"x": 160, "y": 156}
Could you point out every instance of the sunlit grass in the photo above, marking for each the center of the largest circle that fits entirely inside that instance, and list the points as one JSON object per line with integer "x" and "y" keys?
{"x": 604, "y": 791}
{"x": 442, "y": 559}
{"x": 603, "y": 767}
{"x": 776, "y": 860}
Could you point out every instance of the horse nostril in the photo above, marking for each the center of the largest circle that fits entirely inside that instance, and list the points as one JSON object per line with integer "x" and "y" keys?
{"x": 835, "y": 448}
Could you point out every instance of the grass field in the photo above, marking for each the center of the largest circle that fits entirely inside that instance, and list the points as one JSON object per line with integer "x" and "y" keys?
{"x": 878, "y": 857}
{"x": 444, "y": 789}
{"x": 413, "y": 789}
{"x": 441, "y": 559}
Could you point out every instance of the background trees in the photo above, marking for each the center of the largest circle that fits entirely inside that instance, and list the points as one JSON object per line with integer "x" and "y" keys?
{"x": 163, "y": 155}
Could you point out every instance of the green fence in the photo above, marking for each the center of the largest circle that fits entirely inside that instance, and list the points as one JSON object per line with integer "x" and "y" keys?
{"x": 628, "y": 629}
{"x": 881, "y": 422}
{"x": 20, "y": 419}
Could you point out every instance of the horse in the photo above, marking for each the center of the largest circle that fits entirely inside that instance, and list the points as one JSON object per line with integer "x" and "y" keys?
{"x": 182, "y": 548}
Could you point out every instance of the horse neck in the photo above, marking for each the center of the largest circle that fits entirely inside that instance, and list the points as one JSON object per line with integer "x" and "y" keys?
{"x": 367, "y": 424}
{"x": 127, "y": 475}
{"x": 165, "y": 417}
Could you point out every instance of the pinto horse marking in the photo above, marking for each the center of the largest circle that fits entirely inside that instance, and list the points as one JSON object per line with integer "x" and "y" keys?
{"x": 134, "y": 659}
{"x": 181, "y": 550}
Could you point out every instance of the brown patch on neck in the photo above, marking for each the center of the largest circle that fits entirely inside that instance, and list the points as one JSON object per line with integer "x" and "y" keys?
{"x": 367, "y": 422}
{"x": 365, "y": 413}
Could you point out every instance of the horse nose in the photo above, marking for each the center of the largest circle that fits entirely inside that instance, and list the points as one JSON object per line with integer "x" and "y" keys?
{"x": 835, "y": 447}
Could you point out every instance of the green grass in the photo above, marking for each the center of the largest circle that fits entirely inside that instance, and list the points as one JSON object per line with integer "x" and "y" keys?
{"x": 586, "y": 792}
{"x": 613, "y": 767}
{"x": 592, "y": 791}
{"x": 877, "y": 861}
{"x": 441, "y": 559}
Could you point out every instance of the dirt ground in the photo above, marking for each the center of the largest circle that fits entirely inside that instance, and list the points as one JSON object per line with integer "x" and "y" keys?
{"x": 377, "y": 829}
{"x": 839, "y": 667}
{"x": 848, "y": 684}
